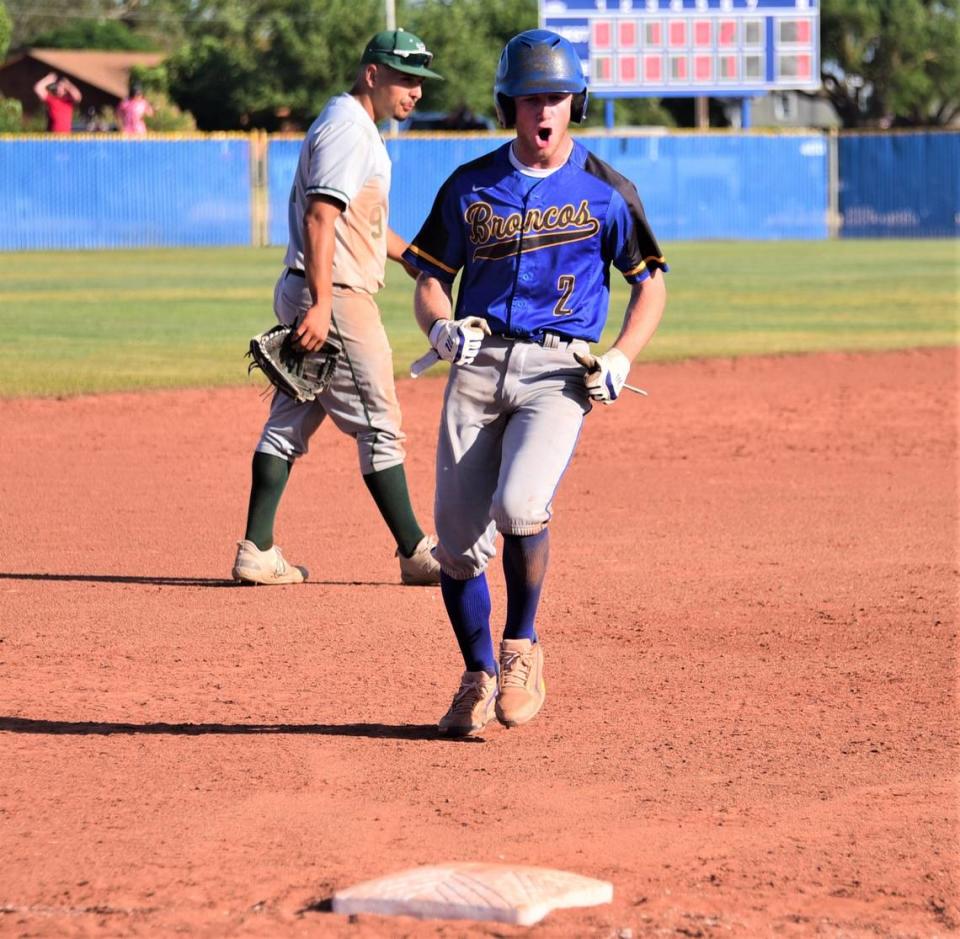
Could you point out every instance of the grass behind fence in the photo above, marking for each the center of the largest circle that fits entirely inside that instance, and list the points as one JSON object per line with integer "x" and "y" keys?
{"x": 91, "y": 321}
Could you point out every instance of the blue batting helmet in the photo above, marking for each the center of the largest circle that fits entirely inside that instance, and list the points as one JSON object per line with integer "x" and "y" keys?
{"x": 538, "y": 62}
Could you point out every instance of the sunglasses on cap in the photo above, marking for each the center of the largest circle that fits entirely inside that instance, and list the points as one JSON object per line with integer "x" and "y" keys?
{"x": 421, "y": 59}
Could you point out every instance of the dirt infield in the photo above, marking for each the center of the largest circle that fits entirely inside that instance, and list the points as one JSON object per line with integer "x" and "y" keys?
{"x": 750, "y": 636}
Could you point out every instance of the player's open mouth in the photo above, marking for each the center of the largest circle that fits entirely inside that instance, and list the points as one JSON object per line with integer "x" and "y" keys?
{"x": 544, "y": 133}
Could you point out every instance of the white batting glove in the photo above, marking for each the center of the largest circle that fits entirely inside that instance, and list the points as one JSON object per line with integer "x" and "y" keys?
{"x": 606, "y": 374}
{"x": 458, "y": 341}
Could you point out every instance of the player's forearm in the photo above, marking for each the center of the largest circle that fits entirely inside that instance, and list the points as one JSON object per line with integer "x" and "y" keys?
{"x": 318, "y": 247}
{"x": 643, "y": 314}
{"x": 395, "y": 245}
{"x": 319, "y": 241}
{"x": 40, "y": 88}
{"x": 395, "y": 248}
{"x": 432, "y": 300}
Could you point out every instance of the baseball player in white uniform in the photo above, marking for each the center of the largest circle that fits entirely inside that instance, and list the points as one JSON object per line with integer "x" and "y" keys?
{"x": 334, "y": 266}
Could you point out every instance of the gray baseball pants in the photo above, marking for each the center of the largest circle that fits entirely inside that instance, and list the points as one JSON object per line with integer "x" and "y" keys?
{"x": 508, "y": 429}
{"x": 362, "y": 397}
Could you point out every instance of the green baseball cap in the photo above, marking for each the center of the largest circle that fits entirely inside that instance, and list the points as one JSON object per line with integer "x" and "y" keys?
{"x": 401, "y": 51}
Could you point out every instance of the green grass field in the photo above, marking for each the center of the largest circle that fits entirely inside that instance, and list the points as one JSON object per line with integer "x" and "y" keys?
{"x": 90, "y": 321}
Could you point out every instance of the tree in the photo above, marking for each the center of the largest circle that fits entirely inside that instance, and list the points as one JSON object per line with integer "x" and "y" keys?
{"x": 6, "y": 31}
{"x": 157, "y": 22}
{"x": 11, "y": 111}
{"x": 892, "y": 62}
{"x": 245, "y": 63}
{"x": 93, "y": 34}
{"x": 466, "y": 37}
{"x": 11, "y": 115}
{"x": 257, "y": 63}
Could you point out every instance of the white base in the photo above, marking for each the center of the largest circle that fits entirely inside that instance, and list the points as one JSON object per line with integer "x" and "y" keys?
{"x": 499, "y": 892}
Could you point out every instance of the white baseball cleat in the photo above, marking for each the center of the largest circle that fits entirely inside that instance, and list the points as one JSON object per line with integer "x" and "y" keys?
{"x": 254, "y": 566}
{"x": 421, "y": 569}
{"x": 522, "y": 689}
{"x": 472, "y": 707}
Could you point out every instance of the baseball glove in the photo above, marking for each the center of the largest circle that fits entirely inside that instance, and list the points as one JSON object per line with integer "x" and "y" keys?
{"x": 298, "y": 374}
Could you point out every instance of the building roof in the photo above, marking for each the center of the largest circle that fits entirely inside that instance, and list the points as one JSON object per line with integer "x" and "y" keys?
{"x": 109, "y": 71}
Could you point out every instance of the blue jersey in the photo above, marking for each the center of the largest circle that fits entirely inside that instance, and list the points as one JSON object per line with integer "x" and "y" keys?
{"x": 536, "y": 251}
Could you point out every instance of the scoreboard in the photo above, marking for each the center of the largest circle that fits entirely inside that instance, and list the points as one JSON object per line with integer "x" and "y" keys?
{"x": 691, "y": 48}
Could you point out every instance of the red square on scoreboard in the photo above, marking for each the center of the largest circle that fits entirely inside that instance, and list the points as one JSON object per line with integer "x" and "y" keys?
{"x": 627, "y": 34}
{"x": 728, "y": 33}
{"x": 628, "y": 69}
{"x": 803, "y": 31}
{"x": 703, "y": 68}
{"x": 678, "y": 33}
{"x": 702, "y": 33}
{"x": 678, "y": 68}
{"x": 602, "y": 35}
{"x": 653, "y": 68}
{"x": 728, "y": 67}
{"x": 653, "y": 33}
{"x": 803, "y": 66}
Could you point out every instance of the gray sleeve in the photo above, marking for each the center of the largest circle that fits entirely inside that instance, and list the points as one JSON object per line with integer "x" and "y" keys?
{"x": 339, "y": 162}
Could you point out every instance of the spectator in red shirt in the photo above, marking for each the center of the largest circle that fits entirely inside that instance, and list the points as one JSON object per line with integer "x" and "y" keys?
{"x": 60, "y": 96}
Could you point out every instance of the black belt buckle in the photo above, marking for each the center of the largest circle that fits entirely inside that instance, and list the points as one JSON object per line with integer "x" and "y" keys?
{"x": 546, "y": 338}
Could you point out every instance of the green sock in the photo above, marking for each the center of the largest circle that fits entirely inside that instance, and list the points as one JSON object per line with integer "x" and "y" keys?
{"x": 389, "y": 490}
{"x": 270, "y": 474}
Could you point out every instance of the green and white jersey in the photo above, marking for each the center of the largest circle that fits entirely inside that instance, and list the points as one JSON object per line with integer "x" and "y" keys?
{"x": 344, "y": 157}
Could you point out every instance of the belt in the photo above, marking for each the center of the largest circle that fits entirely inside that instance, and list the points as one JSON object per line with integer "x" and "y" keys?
{"x": 296, "y": 272}
{"x": 546, "y": 338}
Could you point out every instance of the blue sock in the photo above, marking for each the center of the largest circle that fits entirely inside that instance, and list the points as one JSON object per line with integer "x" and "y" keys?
{"x": 468, "y": 606}
{"x": 525, "y": 560}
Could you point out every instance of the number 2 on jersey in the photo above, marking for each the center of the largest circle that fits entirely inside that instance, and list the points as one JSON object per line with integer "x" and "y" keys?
{"x": 565, "y": 284}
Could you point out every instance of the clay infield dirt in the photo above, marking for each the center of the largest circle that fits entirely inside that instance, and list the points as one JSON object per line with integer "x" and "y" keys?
{"x": 750, "y": 633}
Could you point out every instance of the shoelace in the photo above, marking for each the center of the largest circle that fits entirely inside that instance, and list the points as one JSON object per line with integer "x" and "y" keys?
{"x": 515, "y": 668}
{"x": 281, "y": 566}
{"x": 466, "y": 697}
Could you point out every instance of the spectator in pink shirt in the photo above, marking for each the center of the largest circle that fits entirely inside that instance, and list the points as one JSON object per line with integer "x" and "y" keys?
{"x": 131, "y": 112}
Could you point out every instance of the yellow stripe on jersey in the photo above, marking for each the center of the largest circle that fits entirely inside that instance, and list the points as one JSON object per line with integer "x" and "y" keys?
{"x": 641, "y": 266}
{"x": 420, "y": 253}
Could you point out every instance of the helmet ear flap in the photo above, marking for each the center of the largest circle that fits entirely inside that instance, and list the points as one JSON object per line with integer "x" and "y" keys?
{"x": 578, "y": 107}
{"x": 506, "y": 110}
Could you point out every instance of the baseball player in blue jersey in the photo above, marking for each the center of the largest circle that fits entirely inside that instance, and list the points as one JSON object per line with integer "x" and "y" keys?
{"x": 533, "y": 228}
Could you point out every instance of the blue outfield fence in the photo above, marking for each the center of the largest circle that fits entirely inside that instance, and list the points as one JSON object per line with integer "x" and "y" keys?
{"x": 900, "y": 185}
{"x": 110, "y": 192}
{"x": 692, "y": 186}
